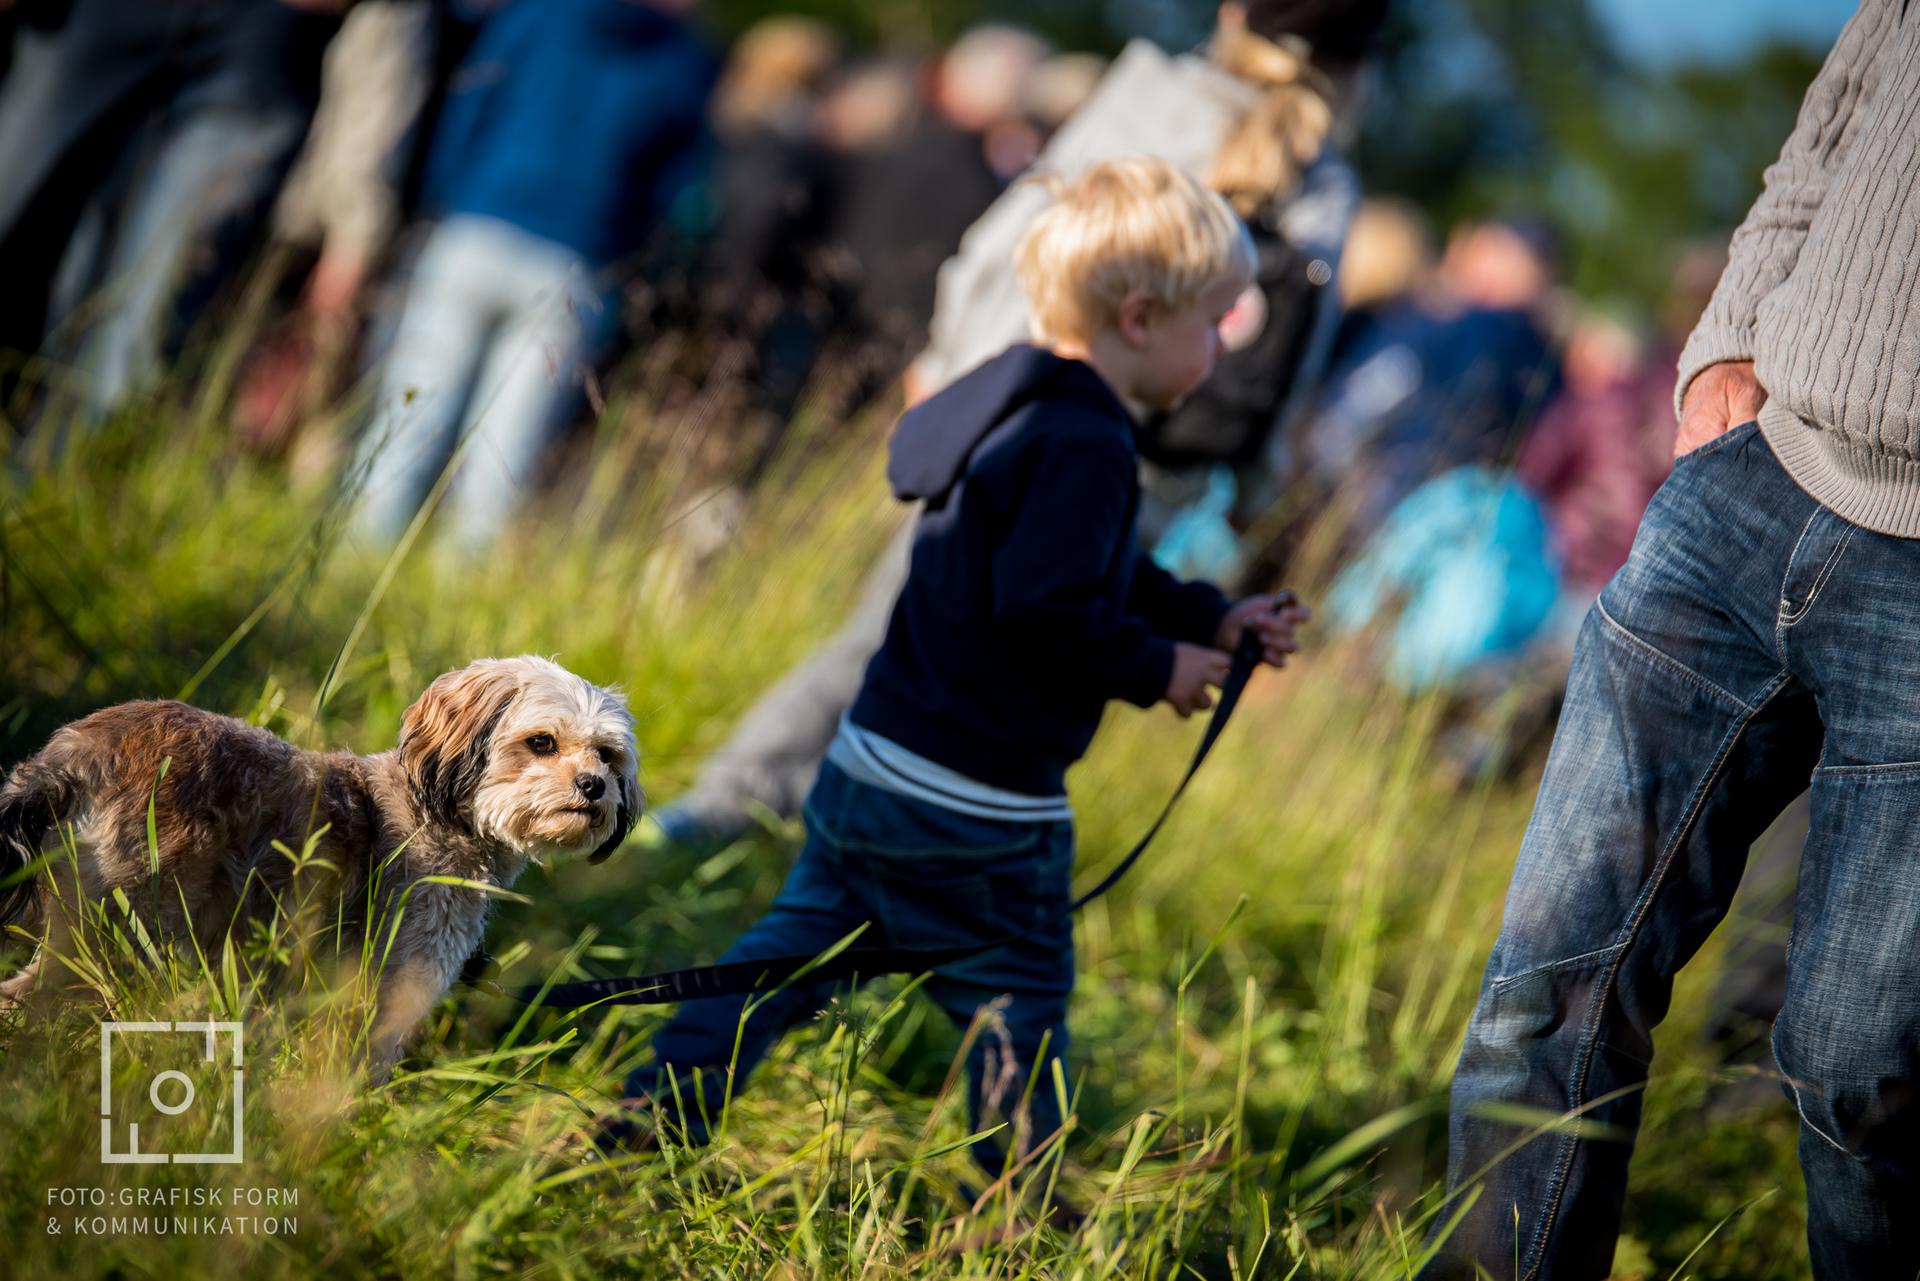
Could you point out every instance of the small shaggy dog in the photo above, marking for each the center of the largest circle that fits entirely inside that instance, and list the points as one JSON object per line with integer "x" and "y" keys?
{"x": 500, "y": 762}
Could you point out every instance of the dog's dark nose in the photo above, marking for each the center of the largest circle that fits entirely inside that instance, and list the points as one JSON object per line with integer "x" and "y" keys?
{"x": 591, "y": 786}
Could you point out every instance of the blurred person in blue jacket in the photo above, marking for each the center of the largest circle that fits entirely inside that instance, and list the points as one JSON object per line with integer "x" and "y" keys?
{"x": 572, "y": 135}
{"x": 1449, "y": 374}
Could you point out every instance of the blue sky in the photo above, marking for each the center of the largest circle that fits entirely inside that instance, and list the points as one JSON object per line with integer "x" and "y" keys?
{"x": 1706, "y": 30}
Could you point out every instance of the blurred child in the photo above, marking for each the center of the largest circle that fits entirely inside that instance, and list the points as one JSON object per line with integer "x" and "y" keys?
{"x": 940, "y": 814}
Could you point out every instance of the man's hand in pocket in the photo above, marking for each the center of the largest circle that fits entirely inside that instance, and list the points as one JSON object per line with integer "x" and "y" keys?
{"x": 1720, "y": 397}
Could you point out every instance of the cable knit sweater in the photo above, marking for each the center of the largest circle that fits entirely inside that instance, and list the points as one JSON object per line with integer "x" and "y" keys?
{"x": 1820, "y": 290}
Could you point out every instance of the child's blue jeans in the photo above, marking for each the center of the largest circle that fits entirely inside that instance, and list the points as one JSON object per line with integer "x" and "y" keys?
{"x": 925, "y": 877}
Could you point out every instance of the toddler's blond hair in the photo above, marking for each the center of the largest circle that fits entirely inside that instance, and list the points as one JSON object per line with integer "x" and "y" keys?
{"x": 1135, "y": 224}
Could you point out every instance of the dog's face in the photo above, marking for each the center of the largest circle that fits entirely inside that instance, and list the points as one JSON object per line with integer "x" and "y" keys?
{"x": 523, "y": 752}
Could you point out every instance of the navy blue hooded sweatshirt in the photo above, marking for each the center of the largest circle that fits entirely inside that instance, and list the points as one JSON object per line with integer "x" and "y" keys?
{"x": 1027, "y": 606}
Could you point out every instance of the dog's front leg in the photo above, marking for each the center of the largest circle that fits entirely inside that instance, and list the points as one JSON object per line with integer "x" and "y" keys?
{"x": 408, "y": 991}
{"x": 439, "y": 929}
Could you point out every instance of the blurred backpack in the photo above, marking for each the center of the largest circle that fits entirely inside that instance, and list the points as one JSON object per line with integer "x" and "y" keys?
{"x": 1231, "y": 416}
{"x": 1467, "y": 562}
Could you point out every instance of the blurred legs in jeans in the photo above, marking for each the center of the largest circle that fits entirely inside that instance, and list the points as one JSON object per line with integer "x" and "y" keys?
{"x": 494, "y": 338}
{"x": 165, "y": 129}
{"x": 773, "y": 755}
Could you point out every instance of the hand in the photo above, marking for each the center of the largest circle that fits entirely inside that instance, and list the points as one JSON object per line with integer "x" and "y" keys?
{"x": 1194, "y": 668}
{"x": 1720, "y": 397}
{"x": 335, "y": 281}
{"x": 1273, "y": 626}
{"x": 914, "y": 384}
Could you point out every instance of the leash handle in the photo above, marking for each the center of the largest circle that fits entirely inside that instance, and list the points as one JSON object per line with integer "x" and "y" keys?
{"x": 742, "y": 978}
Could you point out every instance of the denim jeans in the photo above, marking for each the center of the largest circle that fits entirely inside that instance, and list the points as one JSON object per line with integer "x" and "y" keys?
{"x": 1753, "y": 644}
{"x": 193, "y": 217}
{"x": 494, "y": 338}
{"x": 924, "y": 877}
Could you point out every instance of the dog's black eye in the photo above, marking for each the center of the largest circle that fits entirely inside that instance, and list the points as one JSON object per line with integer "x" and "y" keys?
{"x": 605, "y": 754}
{"x": 542, "y": 744}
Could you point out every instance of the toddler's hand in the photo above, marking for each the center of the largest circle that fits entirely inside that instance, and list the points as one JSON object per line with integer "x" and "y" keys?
{"x": 1274, "y": 627}
{"x": 1194, "y": 668}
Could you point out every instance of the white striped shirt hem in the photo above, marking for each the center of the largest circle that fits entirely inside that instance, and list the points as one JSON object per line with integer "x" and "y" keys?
{"x": 868, "y": 758}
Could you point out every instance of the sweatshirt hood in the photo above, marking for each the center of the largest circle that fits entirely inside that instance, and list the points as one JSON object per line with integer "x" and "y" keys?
{"x": 935, "y": 439}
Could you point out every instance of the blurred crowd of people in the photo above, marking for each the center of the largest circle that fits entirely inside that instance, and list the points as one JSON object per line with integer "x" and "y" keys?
{"x": 1493, "y": 442}
{"x": 471, "y": 210}
{"x": 467, "y": 196}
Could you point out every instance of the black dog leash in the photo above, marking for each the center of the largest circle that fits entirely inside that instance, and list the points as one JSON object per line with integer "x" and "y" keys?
{"x": 739, "y": 978}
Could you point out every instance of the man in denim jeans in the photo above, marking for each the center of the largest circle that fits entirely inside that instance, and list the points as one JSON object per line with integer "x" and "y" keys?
{"x": 1763, "y": 637}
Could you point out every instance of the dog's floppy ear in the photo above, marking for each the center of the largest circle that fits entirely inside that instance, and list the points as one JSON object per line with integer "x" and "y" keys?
{"x": 445, "y": 735}
{"x": 623, "y": 817}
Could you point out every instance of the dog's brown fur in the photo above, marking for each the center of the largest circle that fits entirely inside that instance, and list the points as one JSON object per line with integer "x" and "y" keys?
{"x": 499, "y": 762}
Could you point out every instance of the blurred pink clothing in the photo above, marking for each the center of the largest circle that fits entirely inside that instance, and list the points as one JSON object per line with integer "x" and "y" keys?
{"x": 1594, "y": 460}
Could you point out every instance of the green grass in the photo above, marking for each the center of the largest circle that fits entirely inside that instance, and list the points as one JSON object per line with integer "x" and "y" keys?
{"x": 1265, "y": 1022}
